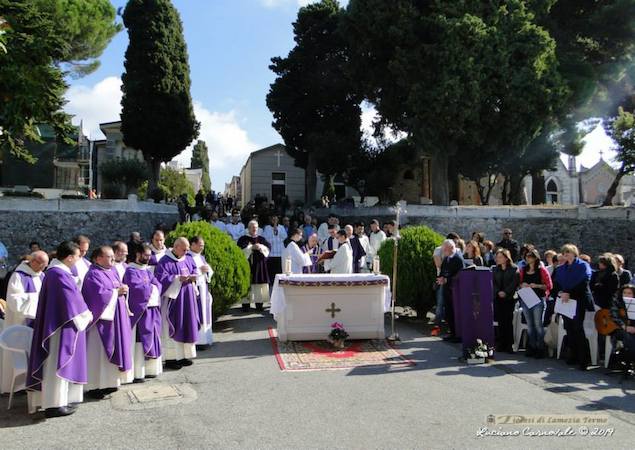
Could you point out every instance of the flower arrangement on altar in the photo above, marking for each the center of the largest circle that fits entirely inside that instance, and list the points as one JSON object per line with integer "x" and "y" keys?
{"x": 338, "y": 335}
{"x": 479, "y": 353}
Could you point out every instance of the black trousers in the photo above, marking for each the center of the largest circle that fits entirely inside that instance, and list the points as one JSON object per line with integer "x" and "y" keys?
{"x": 449, "y": 308}
{"x": 274, "y": 267}
{"x": 504, "y": 314}
{"x": 576, "y": 339}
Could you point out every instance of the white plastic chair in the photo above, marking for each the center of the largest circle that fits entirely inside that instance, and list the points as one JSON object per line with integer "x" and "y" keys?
{"x": 17, "y": 340}
{"x": 608, "y": 350}
{"x": 519, "y": 329}
{"x": 590, "y": 332}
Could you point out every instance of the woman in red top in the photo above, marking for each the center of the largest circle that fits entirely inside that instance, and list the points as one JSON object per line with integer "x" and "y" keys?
{"x": 535, "y": 275}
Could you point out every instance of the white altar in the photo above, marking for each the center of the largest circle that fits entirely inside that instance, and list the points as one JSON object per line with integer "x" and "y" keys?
{"x": 304, "y": 306}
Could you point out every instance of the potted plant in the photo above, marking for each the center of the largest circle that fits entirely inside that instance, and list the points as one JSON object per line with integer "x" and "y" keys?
{"x": 337, "y": 336}
{"x": 480, "y": 353}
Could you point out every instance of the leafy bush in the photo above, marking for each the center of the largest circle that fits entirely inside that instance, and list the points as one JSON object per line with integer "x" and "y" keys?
{"x": 415, "y": 268}
{"x": 174, "y": 183}
{"x": 129, "y": 173}
{"x": 231, "y": 279}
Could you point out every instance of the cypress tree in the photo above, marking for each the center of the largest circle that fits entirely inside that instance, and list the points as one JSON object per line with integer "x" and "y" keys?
{"x": 200, "y": 160}
{"x": 157, "y": 113}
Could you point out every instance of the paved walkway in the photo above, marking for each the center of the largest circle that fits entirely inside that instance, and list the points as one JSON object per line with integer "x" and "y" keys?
{"x": 235, "y": 396}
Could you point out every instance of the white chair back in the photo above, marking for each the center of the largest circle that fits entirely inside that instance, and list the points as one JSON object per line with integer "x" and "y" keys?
{"x": 16, "y": 338}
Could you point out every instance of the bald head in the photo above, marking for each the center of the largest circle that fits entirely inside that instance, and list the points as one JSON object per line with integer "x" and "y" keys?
{"x": 181, "y": 246}
{"x": 38, "y": 261}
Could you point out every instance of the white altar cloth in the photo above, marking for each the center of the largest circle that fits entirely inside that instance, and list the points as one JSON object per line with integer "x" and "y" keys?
{"x": 301, "y": 305}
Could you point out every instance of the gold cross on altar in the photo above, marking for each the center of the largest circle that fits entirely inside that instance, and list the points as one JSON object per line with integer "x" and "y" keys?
{"x": 332, "y": 310}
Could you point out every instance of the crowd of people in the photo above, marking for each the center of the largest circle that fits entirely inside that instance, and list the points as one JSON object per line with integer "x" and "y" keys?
{"x": 108, "y": 316}
{"x": 553, "y": 276}
{"x": 121, "y": 313}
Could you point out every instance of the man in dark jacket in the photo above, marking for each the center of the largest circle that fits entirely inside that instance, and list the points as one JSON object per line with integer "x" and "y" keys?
{"x": 510, "y": 244}
{"x": 450, "y": 266}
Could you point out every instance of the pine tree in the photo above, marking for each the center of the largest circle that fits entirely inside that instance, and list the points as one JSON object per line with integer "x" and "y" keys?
{"x": 157, "y": 113}
{"x": 200, "y": 160}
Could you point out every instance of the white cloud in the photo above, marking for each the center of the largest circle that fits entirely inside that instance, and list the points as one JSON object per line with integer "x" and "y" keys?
{"x": 95, "y": 104}
{"x": 300, "y": 3}
{"x": 597, "y": 144}
{"x": 369, "y": 117}
{"x": 228, "y": 143}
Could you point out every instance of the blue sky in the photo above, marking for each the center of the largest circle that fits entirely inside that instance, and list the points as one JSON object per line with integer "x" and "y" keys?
{"x": 230, "y": 44}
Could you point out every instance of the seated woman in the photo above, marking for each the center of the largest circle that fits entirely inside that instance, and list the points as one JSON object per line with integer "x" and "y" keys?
{"x": 624, "y": 336}
{"x": 473, "y": 253}
{"x": 606, "y": 281}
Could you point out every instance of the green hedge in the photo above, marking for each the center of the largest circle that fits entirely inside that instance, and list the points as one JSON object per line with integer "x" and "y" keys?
{"x": 415, "y": 268}
{"x": 230, "y": 282}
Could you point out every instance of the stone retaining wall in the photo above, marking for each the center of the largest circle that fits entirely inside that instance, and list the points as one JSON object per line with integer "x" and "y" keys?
{"x": 51, "y": 221}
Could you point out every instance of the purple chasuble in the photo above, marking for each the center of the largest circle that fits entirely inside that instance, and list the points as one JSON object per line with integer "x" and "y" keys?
{"x": 146, "y": 319}
{"x": 29, "y": 288}
{"x": 314, "y": 254}
{"x": 182, "y": 314}
{"x": 115, "y": 334}
{"x": 59, "y": 302}
{"x": 257, "y": 261}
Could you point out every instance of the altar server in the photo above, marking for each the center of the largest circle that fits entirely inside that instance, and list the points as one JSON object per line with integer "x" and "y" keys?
{"x": 57, "y": 362}
{"x": 158, "y": 248}
{"x": 109, "y": 337}
{"x": 342, "y": 262}
{"x": 256, "y": 250}
{"x": 235, "y": 228}
{"x": 377, "y": 237}
{"x": 80, "y": 269}
{"x": 121, "y": 255}
{"x": 179, "y": 305}
{"x": 144, "y": 299}
{"x": 299, "y": 259}
{"x": 203, "y": 277}
{"x": 23, "y": 291}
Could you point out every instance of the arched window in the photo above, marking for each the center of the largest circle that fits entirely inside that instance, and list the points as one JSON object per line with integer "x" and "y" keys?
{"x": 552, "y": 192}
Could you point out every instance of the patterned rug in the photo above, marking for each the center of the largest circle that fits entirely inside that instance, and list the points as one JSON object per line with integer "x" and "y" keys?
{"x": 320, "y": 355}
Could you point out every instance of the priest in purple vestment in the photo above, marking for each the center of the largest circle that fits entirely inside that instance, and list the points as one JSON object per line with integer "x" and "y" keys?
{"x": 57, "y": 361}
{"x": 80, "y": 269}
{"x": 204, "y": 277}
{"x": 256, "y": 249}
{"x": 179, "y": 306}
{"x": 144, "y": 299}
{"x": 109, "y": 337}
{"x": 313, "y": 250}
{"x": 158, "y": 248}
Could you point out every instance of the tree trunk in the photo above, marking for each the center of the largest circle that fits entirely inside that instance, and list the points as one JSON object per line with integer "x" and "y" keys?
{"x": 538, "y": 192}
{"x": 310, "y": 180}
{"x": 610, "y": 194}
{"x": 440, "y": 187}
{"x": 155, "y": 173}
{"x": 515, "y": 183}
{"x": 505, "y": 191}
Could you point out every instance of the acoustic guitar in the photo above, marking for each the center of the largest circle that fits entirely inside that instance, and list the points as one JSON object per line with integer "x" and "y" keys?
{"x": 604, "y": 322}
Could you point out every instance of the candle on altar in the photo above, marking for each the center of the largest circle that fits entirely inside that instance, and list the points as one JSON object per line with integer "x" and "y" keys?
{"x": 287, "y": 266}
{"x": 376, "y": 265}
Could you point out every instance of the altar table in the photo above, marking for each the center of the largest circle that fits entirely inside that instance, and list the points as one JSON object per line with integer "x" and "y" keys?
{"x": 304, "y": 306}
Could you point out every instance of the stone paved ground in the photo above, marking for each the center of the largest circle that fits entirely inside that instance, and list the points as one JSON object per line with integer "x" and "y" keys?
{"x": 235, "y": 396}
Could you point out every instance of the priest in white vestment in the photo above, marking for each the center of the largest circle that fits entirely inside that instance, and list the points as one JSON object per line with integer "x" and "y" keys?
{"x": 235, "y": 228}
{"x": 23, "y": 291}
{"x": 376, "y": 238}
{"x": 299, "y": 259}
{"x": 342, "y": 262}
{"x": 203, "y": 278}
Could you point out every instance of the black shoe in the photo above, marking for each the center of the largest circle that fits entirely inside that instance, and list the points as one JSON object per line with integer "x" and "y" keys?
{"x": 138, "y": 380}
{"x": 185, "y": 362}
{"x": 540, "y": 354}
{"x": 245, "y": 307}
{"x": 448, "y": 337}
{"x": 96, "y": 394}
{"x": 259, "y": 307}
{"x": 172, "y": 365}
{"x": 202, "y": 348}
{"x": 151, "y": 376}
{"x": 58, "y": 412}
{"x": 109, "y": 390}
{"x": 583, "y": 367}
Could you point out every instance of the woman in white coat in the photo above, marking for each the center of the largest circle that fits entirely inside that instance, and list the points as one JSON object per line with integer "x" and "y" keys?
{"x": 299, "y": 259}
